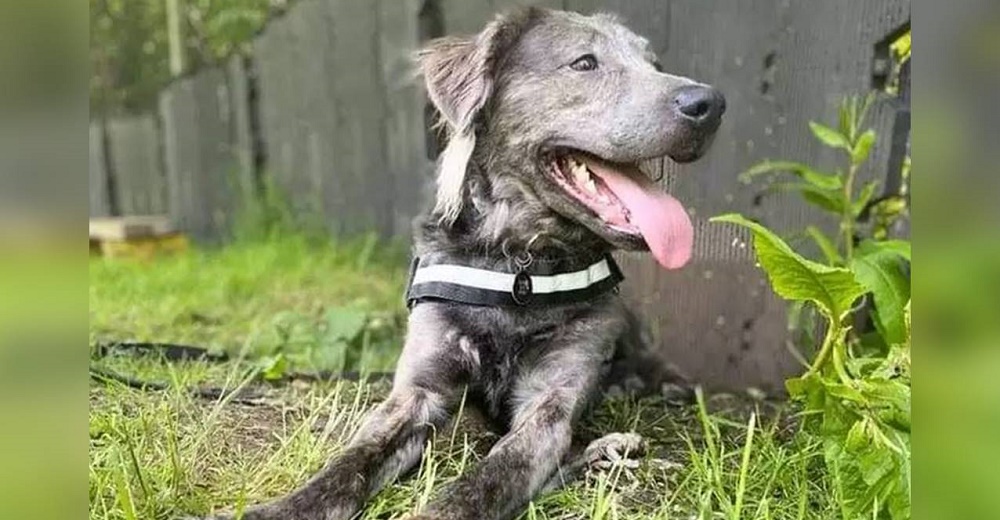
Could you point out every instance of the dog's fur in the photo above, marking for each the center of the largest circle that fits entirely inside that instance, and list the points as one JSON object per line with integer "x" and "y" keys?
{"x": 508, "y": 98}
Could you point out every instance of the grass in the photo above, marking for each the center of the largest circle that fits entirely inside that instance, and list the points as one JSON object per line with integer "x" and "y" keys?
{"x": 166, "y": 454}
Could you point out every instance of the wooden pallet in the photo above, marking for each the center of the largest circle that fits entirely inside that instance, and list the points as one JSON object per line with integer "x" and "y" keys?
{"x": 135, "y": 236}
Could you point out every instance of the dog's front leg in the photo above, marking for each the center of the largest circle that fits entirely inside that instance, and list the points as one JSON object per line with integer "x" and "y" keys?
{"x": 389, "y": 443}
{"x": 392, "y": 436}
{"x": 548, "y": 399}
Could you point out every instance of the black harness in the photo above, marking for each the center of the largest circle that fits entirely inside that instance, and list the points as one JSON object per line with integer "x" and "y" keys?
{"x": 522, "y": 284}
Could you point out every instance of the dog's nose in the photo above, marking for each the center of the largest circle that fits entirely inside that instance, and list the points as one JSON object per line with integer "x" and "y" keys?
{"x": 700, "y": 105}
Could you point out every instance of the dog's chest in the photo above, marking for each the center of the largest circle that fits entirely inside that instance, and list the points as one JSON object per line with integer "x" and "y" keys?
{"x": 502, "y": 357}
{"x": 500, "y": 346}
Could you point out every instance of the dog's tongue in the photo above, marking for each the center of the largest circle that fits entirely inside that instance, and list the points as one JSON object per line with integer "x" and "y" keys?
{"x": 660, "y": 218}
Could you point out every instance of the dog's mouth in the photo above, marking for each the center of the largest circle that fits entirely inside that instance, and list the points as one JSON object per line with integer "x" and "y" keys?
{"x": 627, "y": 201}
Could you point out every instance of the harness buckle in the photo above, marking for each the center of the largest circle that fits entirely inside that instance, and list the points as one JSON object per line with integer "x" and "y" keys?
{"x": 522, "y": 290}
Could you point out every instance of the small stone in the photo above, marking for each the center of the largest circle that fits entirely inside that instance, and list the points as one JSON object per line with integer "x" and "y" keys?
{"x": 675, "y": 394}
{"x": 634, "y": 384}
{"x": 664, "y": 464}
{"x": 756, "y": 394}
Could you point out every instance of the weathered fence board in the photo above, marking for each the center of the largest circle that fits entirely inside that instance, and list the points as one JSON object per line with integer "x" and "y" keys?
{"x": 134, "y": 159}
{"x": 408, "y": 169}
{"x": 280, "y": 55}
{"x": 356, "y": 83}
{"x": 204, "y": 160}
{"x": 100, "y": 200}
{"x": 341, "y": 116}
{"x": 242, "y": 137}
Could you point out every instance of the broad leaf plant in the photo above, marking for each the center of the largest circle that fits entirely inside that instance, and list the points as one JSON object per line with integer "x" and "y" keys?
{"x": 855, "y": 392}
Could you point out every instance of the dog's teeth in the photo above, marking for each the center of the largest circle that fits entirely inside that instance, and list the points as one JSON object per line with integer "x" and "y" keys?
{"x": 581, "y": 173}
{"x": 591, "y": 187}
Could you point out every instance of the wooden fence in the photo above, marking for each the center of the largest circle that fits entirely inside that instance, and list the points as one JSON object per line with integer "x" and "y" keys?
{"x": 326, "y": 109}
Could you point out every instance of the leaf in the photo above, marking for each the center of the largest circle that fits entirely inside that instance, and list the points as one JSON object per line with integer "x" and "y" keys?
{"x": 896, "y": 365}
{"x": 274, "y": 367}
{"x": 867, "y": 192}
{"x": 863, "y": 366}
{"x": 809, "y": 391}
{"x": 862, "y": 112}
{"x": 793, "y": 277}
{"x": 879, "y": 272}
{"x": 856, "y": 438}
{"x": 907, "y": 317}
{"x": 900, "y": 499}
{"x": 889, "y": 207}
{"x": 330, "y": 356}
{"x": 874, "y": 458}
{"x": 893, "y": 396}
{"x": 871, "y": 343}
{"x": 801, "y": 386}
{"x": 899, "y": 247}
{"x": 837, "y": 417}
{"x": 802, "y": 171}
{"x": 885, "y": 212}
{"x": 829, "y": 200}
{"x": 288, "y": 332}
{"x": 825, "y": 245}
{"x": 845, "y": 392}
{"x": 846, "y": 112}
{"x": 868, "y": 472}
{"x": 862, "y": 147}
{"x": 344, "y": 323}
{"x": 829, "y": 136}
{"x": 901, "y": 48}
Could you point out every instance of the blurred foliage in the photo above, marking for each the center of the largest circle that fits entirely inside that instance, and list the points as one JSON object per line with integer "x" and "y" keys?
{"x": 342, "y": 340}
{"x": 129, "y": 51}
{"x": 856, "y": 392}
{"x": 902, "y": 47}
{"x": 900, "y": 51}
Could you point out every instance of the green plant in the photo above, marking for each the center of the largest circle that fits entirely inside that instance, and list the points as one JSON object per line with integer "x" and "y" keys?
{"x": 855, "y": 393}
{"x": 129, "y": 49}
{"x": 343, "y": 341}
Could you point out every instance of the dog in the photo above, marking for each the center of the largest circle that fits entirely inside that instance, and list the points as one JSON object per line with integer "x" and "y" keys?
{"x": 512, "y": 292}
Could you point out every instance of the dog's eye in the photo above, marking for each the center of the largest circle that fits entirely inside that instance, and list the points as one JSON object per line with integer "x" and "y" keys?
{"x": 658, "y": 66}
{"x": 584, "y": 63}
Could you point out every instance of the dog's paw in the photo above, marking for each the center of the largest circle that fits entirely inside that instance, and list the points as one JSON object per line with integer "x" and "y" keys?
{"x": 614, "y": 450}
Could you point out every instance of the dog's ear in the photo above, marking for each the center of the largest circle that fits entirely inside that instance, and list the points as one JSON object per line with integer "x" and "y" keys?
{"x": 459, "y": 73}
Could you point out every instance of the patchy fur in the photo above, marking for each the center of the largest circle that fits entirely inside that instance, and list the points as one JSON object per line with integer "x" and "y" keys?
{"x": 508, "y": 96}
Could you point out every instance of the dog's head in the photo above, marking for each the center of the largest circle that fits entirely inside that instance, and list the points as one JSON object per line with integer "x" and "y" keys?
{"x": 576, "y": 102}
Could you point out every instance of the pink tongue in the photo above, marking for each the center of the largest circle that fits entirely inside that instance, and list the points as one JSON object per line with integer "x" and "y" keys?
{"x": 660, "y": 218}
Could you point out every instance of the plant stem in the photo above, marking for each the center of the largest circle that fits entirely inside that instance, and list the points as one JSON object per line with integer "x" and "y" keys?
{"x": 838, "y": 362}
{"x": 832, "y": 333}
{"x": 847, "y": 217}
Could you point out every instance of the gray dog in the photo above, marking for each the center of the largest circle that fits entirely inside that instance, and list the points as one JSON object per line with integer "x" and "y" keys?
{"x": 512, "y": 293}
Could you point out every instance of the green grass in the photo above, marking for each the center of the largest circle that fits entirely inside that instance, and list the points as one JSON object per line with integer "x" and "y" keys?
{"x": 165, "y": 454}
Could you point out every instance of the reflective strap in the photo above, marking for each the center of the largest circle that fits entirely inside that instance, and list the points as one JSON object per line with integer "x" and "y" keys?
{"x": 504, "y": 282}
